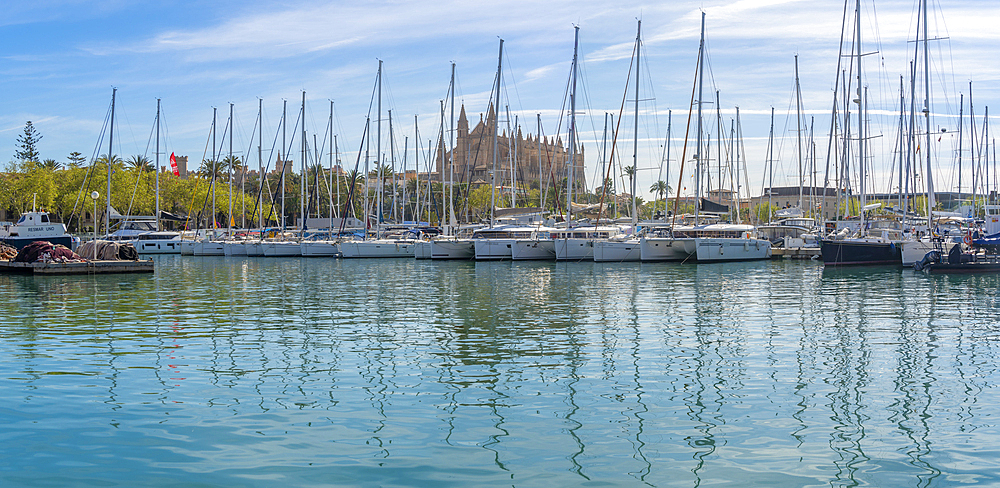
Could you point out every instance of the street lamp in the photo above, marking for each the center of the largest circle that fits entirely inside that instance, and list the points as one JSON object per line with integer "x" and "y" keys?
{"x": 94, "y": 195}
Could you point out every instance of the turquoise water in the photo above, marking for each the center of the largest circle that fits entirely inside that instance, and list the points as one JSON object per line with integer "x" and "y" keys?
{"x": 317, "y": 372}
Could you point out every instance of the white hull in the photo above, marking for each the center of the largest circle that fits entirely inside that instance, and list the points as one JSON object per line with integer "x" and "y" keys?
{"x": 574, "y": 249}
{"x": 234, "y": 248}
{"x": 666, "y": 248}
{"x": 422, "y": 250}
{"x": 166, "y": 246}
{"x": 453, "y": 249}
{"x": 319, "y": 248}
{"x": 254, "y": 248}
{"x": 493, "y": 249}
{"x": 732, "y": 249}
{"x": 533, "y": 249}
{"x": 187, "y": 247}
{"x": 378, "y": 248}
{"x": 209, "y": 248}
{"x": 615, "y": 251}
{"x": 277, "y": 249}
{"x": 914, "y": 251}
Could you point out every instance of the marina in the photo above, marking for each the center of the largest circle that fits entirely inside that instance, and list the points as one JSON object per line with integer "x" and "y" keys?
{"x": 243, "y": 371}
{"x": 674, "y": 244}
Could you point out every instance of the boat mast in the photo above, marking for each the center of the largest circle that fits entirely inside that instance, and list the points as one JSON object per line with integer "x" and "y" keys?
{"x": 111, "y": 137}
{"x": 635, "y": 131}
{"x": 229, "y": 165}
{"x": 441, "y": 156}
{"x": 697, "y": 156}
{"x": 496, "y": 110}
{"x": 305, "y": 176}
{"x": 861, "y": 113}
{"x": 157, "y": 164}
{"x": 416, "y": 161}
{"x": 378, "y": 147}
{"x": 451, "y": 160}
{"x": 770, "y": 165}
{"x": 927, "y": 119}
{"x": 392, "y": 160}
{"x": 902, "y": 175}
{"x": 961, "y": 106}
{"x": 260, "y": 159}
{"x": 333, "y": 143}
{"x": 215, "y": 168}
{"x": 670, "y": 121}
{"x": 538, "y": 142}
{"x": 798, "y": 124}
{"x": 284, "y": 149}
{"x": 572, "y": 131}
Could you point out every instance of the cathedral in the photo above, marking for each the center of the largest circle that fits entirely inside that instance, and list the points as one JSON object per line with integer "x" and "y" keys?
{"x": 474, "y": 157}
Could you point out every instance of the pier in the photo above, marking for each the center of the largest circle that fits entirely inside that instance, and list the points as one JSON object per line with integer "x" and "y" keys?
{"x": 78, "y": 267}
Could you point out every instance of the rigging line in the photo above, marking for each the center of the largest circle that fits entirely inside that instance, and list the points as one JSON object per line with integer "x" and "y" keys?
{"x": 694, "y": 87}
{"x": 614, "y": 139}
{"x": 87, "y": 180}
{"x": 263, "y": 178}
{"x": 354, "y": 180}
{"x": 140, "y": 167}
{"x": 510, "y": 69}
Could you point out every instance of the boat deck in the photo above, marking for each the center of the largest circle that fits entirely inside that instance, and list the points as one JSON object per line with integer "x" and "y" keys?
{"x": 82, "y": 267}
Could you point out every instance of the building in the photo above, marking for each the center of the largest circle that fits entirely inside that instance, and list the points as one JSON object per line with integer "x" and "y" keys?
{"x": 474, "y": 156}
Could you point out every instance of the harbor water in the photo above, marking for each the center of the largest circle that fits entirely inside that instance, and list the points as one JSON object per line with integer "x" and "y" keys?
{"x": 323, "y": 372}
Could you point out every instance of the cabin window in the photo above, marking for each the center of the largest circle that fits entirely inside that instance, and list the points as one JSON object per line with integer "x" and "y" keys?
{"x": 45, "y": 218}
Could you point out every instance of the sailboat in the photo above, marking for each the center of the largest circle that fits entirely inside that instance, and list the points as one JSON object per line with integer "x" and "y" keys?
{"x": 713, "y": 241}
{"x": 318, "y": 246}
{"x": 389, "y": 241}
{"x": 862, "y": 248}
{"x": 542, "y": 244}
{"x": 626, "y": 246}
{"x": 915, "y": 248}
{"x": 212, "y": 246}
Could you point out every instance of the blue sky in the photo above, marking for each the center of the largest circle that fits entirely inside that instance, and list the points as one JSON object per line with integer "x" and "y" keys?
{"x": 59, "y": 60}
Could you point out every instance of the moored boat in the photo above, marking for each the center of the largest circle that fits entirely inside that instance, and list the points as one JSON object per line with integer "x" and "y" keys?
{"x": 35, "y": 226}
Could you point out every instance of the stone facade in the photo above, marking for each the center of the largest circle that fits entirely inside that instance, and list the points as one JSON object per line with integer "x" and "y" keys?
{"x": 474, "y": 156}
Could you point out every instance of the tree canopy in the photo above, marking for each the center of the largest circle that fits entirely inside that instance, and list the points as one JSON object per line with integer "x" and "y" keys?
{"x": 27, "y": 150}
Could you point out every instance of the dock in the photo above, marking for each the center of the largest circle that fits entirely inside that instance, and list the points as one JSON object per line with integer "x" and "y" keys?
{"x": 77, "y": 268}
{"x": 796, "y": 253}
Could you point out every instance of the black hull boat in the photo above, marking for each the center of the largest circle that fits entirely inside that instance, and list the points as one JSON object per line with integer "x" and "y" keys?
{"x": 861, "y": 252}
{"x": 958, "y": 262}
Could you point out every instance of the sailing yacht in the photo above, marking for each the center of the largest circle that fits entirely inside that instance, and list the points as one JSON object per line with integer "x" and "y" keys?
{"x": 540, "y": 246}
{"x": 578, "y": 243}
{"x": 625, "y": 245}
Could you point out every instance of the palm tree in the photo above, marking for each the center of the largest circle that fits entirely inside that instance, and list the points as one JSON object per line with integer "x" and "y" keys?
{"x": 50, "y": 164}
{"x": 630, "y": 172}
{"x": 233, "y": 162}
{"x": 659, "y": 188}
{"x": 212, "y": 169}
{"x": 115, "y": 161}
{"x": 139, "y": 163}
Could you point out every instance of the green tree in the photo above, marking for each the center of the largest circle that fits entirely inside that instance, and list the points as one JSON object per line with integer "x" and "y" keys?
{"x": 630, "y": 172}
{"x": 76, "y": 159}
{"x": 659, "y": 188}
{"x": 138, "y": 162}
{"x": 210, "y": 168}
{"x": 232, "y": 162}
{"x": 50, "y": 165}
{"x": 26, "y": 144}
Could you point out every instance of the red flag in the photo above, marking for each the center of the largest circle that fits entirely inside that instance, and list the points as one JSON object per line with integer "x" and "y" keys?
{"x": 173, "y": 165}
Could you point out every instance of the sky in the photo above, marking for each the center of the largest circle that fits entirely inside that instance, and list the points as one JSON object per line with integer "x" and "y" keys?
{"x": 60, "y": 59}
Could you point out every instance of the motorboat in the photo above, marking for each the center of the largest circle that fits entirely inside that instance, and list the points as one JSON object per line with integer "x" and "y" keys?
{"x": 35, "y": 226}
